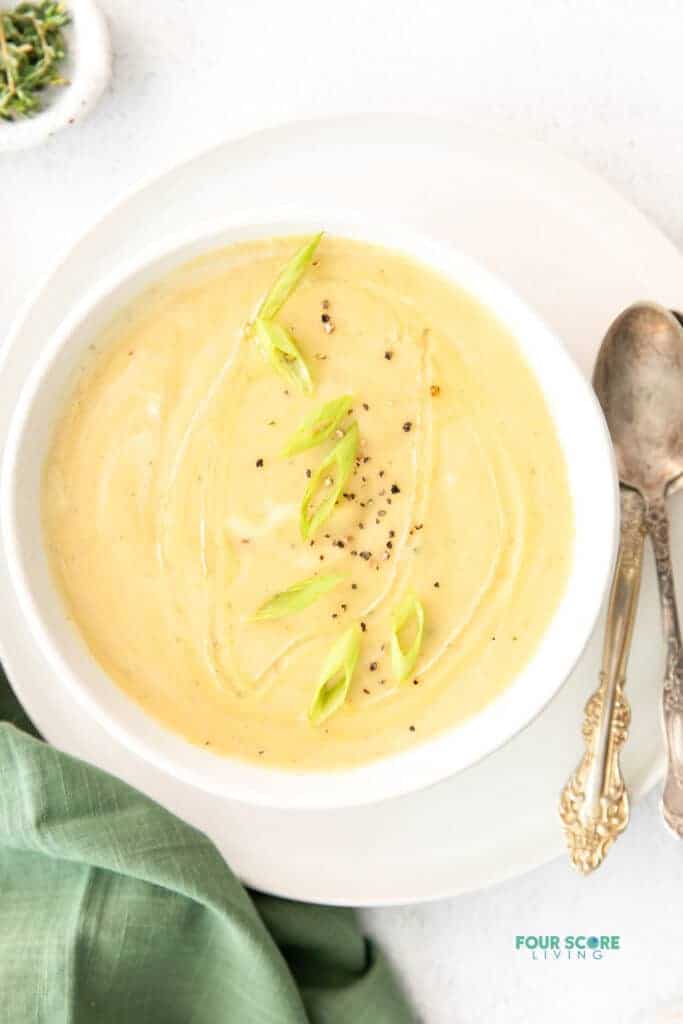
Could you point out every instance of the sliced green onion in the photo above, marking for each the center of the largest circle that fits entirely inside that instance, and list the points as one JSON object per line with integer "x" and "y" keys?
{"x": 297, "y": 597}
{"x": 288, "y": 279}
{"x": 279, "y": 348}
{"x": 336, "y": 674}
{"x": 319, "y": 426}
{"x": 340, "y": 462}
{"x": 403, "y": 662}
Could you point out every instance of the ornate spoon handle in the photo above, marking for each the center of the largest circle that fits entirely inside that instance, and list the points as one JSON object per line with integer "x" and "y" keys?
{"x": 594, "y": 804}
{"x": 672, "y": 697}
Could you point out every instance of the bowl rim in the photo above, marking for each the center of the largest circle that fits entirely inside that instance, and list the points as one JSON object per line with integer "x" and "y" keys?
{"x": 434, "y": 759}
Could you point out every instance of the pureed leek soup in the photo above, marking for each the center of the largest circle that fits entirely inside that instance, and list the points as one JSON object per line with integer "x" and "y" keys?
{"x": 306, "y": 503}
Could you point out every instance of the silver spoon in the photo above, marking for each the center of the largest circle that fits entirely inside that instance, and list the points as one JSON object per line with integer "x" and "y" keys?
{"x": 639, "y": 381}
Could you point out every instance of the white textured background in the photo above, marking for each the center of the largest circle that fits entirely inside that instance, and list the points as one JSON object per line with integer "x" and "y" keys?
{"x": 601, "y": 81}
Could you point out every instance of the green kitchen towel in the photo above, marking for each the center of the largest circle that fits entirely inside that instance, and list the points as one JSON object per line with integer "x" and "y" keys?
{"x": 113, "y": 911}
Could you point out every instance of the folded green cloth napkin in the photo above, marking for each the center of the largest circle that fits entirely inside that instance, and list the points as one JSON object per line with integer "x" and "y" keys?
{"x": 112, "y": 910}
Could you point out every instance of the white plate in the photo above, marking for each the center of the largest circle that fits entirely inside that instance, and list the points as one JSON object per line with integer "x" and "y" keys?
{"x": 575, "y": 251}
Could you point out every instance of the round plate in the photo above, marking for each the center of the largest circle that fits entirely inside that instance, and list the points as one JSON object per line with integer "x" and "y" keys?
{"x": 574, "y": 250}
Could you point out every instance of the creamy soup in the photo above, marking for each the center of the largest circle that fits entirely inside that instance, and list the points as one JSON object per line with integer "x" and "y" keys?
{"x": 171, "y": 514}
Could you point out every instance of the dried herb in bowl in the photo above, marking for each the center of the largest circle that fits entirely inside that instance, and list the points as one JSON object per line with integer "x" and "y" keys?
{"x": 32, "y": 48}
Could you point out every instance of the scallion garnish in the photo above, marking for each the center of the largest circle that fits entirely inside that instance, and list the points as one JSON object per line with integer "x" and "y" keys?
{"x": 336, "y": 675}
{"x": 288, "y": 279}
{"x": 403, "y": 662}
{"x": 279, "y": 348}
{"x": 319, "y": 426}
{"x": 331, "y": 474}
{"x": 297, "y": 597}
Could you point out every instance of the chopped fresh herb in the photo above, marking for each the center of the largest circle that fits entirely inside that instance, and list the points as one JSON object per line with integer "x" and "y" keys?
{"x": 288, "y": 279}
{"x": 319, "y": 426}
{"x": 32, "y": 47}
{"x": 279, "y": 348}
{"x": 336, "y": 675}
{"x": 297, "y": 597}
{"x": 341, "y": 460}
{"x": 403, "y": 662}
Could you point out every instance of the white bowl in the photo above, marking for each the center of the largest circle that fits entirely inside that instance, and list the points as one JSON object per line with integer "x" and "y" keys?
{"x": 88, "y": 68}
{"x": 585, "y": 442}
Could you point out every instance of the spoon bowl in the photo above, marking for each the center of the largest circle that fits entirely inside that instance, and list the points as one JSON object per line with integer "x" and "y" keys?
{"x": 638, "y": 379}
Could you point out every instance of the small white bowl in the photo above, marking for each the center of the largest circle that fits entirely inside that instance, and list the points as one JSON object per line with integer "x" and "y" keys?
{"x": 585, "y": 442}
{"x": 88, "y": 68}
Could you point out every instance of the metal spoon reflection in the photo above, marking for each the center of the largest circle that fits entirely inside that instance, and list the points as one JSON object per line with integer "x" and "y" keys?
{"x": 639, "y": 381}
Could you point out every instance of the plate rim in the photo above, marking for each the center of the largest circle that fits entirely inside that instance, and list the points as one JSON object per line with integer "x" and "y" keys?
{"x": 630, "y": 217}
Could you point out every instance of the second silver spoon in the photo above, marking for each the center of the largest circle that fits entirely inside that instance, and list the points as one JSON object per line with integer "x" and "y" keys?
{"x": 650, "y": 364}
